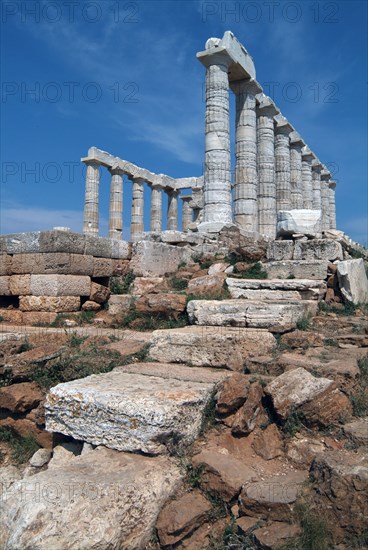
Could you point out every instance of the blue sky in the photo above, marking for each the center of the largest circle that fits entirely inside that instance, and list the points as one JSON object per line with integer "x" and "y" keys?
{"x": 123, "y": 76}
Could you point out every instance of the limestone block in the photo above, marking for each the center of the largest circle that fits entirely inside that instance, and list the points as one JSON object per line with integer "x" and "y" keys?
{"x": 27, "y": 263}
{"x": 175, "y": 237}
{"x": 61, "y": 241}
{"x": 168, "y": 303}
{"x": 4, "y": 286}
{"x": 275, "y": 284}
{"x": 101, "y": 499}
{"x": 68, "y": 264}
{"x": 37, "y": 317}
{"x": 318, "y": 249}
{"x": 20, "y": 285}
{"x": 151, "y": 259}
{"x": 128, "y": 412}
{"x": 91, "y": 306}
{"x": 99, "y": 293}
{"x": 20, "y": 398}
{"x": 207, "y": 346}
{"x": 276, "y": 317}
{"x": 120, "y": 250}
{"x": 103, "y": 267}
{"x": 145, "y": 285}
{"x": 265, "y": 294}
{"x": 120, "y": 304}
{"x": 49, "y": 303}
{"x": 353, "y": 281}
{"x": 60, "y": 285}
{"x": 5, "y": 264}
{"x": 280, "y": 250}
{"x": 306, "y": 222}
{"x": 18, "y": 243}
{"x": 208, "y": 284}
{"x": 300, "y": 269}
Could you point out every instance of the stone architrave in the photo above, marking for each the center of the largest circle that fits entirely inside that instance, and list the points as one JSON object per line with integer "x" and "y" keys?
{"x": 156, "y": 209}
{"x": 267, "y": 215}
{"x": 172, "y": 210}
{"x": 116, "y": 205}
{"x": 296, "y": 180}
{"x": 331, "y": 197}
{"x": 325, "y": 199}
{"x": 90, "y": 220}
{"x": 316, "y": 180}
{"x": 187, "y": 217}
{"x": 307, "y": 184}
{"x": 217, "y": 170}
{"x": 137, "y": 228}
{"x": 282, "y": 162}
{"x": 246, "y": 180}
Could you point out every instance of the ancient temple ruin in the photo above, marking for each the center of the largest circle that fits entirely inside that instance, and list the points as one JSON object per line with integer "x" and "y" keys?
{"x": 275, "y": 170}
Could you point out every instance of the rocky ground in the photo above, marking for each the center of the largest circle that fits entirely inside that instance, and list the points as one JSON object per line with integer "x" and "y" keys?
{"x": 280, "y": 461}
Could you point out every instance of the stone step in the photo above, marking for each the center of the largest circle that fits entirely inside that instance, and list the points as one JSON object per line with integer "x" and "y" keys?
{"x": 144, "y": 408}
{"x": 276, "y": 289}
{"x": 209, "y": 346}
{"x": 300, "y": 269}
{"x": 276, "y": 317}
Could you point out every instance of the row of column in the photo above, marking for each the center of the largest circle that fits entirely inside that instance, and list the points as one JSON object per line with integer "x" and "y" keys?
{"x": 91, "y": 207}
{"x": 274, "y": 170}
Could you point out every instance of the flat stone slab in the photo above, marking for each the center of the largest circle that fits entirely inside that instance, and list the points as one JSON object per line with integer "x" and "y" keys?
{"x": 265, "y": 294}
{"x": 276, "y": 317}
{"x": 300, "y": 269}
{"x": 129, "y": 412}
{"x": 177, "y": 372}
{"x": 208, "y": 346}
{"x": 102, "y": 499}
{"x": 275, "y": 284}
{"x": 358, "y": 430}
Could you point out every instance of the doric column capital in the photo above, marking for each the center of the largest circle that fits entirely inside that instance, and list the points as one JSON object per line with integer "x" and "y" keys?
{"x": 332, "y": 184}
{"x": 307, "y": 153}
{"x": 325, "y": 174}
{"x": 266, "y": 106}
{"x": 296, "y": 139}
{"x": 282, "y": 125}
{"x": 115, "y": 171}
{"x": 247, "y": 85}
{"x": 317, "y": 165}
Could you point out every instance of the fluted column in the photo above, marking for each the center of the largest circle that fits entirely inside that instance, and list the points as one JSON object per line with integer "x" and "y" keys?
{"x": 187, "y": 216}
{"x": 116, "y": 205}
{"x": 172, "y": 210}
{"x": 156, "y": 209}
{"x": 296, "y": 182}
{"x": 217, "y": 169}
{"x": 136, "y": 226}
{"x": 282, "y": 163}
{"x": 246, "y": 180}
{"x": 90, "y": 219}
{"x": 325, "y": 199}
{"x": 267, "y": 216}
{"x": 331, "y": 196}
{"x": 307, "y": 157}
{"x": 316, "y": 180}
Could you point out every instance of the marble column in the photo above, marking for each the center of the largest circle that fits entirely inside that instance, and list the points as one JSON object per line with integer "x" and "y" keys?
{"x": 331, "y": 196}
{"x": 217, "y": 168}
{"x": 267, "y": 216}
{"x": 325, "y": 199}
{"x": 172, "y": 210}
{"x": 282, "y": 163}
{"x": 246, "y": 180}
{"x": 90, "y": 219}
{"x": 307, "y": 157}
{"x": 116, "y": 205}
{"x": 187, "y": 216}
{"x": 316, "y": 180}
{"x": 137, "y": 224}
{"x": 156, "y": 209}
{"x": 296, "y": 182}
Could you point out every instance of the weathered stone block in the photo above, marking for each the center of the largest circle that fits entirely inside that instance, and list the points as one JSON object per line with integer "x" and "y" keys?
{"x": 103, "y": 267}
{"x": 105, "y": 499}
{"x": 4, "y": 286}
{"x": 146, "y": 285}
{"x": 317, "y": 249}
{"x": 276, "y": 317}
{"x": 151, "y": 259}
{"x": 121, "y": 250}
{"x": 128, "y": 412}
{"x": 265, "y": 294}
{"x": 207, "y": 346}
{"x": 280, "y": 250}
{"x": 306, "y": 222}
{"x": 286, "y": 285}
{"x": 99, "y": 293}
{"x": 300, "y": 269}
{"x": 18, "y": 243}
{"x": 168, "y": 303}
{"x": 62, "y": 241}
{"x": 38, "y": 317}
{"x": 49, "y": 303}
{"x": 20, "y": 285}
{"x": 120, "y": 304}
{"x": 353, "y": 281}
{"x": 68, "y": 264}
{"x": 5, "y": 264}
{"x": 27, "y": 263}
{"x": 60, "y": 285}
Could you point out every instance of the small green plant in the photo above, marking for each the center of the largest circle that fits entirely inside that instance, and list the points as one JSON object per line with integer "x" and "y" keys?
{"x": 293, "y": 423}
{"x": 331, "y": 342}
{"x": 222, "y": 294}
{"x": 25, "y": 346}
{"x": 346, "y": 310}
{"x": 143, "y": 322}
{"x": 254, "y": 272}
{"x": 315, "y": 535}
{"x": 193, "y": 474}
{"x": 75, "y": 340}
{"x": 209, "y": 413}
{"x": 22, "y": 448}
{"x": 1, "y": 319}
{"x": 182, "y": 264}
{"x": 178, "y": 284}
{"x": 87, "y": 317}
{"x": 121, "y": 285}
{"x": 303, "y": 323}
{"x": 291, "y": 276}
